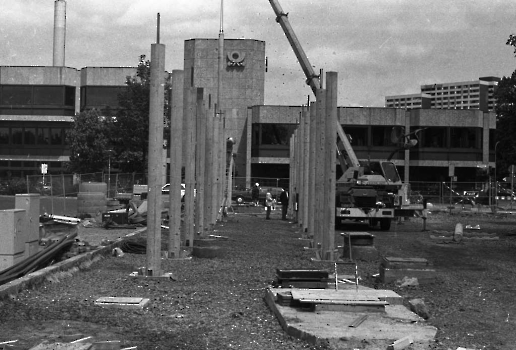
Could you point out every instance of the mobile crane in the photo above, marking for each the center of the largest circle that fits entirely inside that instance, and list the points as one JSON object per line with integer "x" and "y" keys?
{"x": 367, "y": 190}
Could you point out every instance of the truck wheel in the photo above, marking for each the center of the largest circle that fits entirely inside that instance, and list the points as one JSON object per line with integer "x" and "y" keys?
{"x": 385, "y": 224}
{"x": 373, "y": 222}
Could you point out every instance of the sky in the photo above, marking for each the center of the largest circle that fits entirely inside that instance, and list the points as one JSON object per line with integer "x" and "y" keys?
{"x": 378, "y": 47}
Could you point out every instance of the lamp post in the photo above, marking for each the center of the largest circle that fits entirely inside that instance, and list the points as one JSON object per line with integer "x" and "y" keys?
{"x": 109, "y": 152}
{"x": 496, "y": 179}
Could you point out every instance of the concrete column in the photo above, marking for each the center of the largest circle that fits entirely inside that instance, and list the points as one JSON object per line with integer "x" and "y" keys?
{"x": 249, "y": 129}
{"x": 200, "y": 163}
{"x": 320, "y": 167}
{"x": 305, "y": 193}
{"x": 176, "y": 162}
{"x": 190, "y": 144}
{"x": 330, "y": 165}
{"x": 208, "y": 173}
{"x": 155, "y": 168}
{"x": 310, "y": 200}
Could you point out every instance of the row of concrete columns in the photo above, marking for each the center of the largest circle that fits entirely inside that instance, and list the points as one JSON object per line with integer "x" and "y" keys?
{"x": 313, "y": 169}
{"x": 197, "y": 143}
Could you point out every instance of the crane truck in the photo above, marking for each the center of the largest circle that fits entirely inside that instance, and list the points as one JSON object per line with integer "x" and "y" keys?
{"x": 369, "y": 191}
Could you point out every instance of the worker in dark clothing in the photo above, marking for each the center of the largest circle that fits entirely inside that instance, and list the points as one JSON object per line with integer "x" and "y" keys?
{"x": 255, "y": 193}
{"x": 284, "y": 204}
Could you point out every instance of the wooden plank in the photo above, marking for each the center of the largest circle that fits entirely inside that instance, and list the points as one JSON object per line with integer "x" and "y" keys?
{"x": 125, "y": 300}
{"x": 347, "y": 308}
{"x": 350, "y": 294}
{"x": 122, "y": 302}
{"x": 357, "y": 322}
{"x": 61, "y": 346}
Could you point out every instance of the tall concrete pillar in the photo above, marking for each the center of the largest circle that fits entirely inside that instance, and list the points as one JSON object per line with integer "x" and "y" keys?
{"x": 155, "y": 168}
{"x": 59, "y": 33}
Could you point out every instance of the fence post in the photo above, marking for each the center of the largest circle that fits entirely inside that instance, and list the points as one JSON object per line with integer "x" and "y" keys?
{"x": 64, "y": 194}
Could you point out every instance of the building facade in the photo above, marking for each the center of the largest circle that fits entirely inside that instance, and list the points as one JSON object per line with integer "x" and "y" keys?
{"x": 457, "y": 142}
{"x": 37, "y": 106}
{"x": 478, "y": 94}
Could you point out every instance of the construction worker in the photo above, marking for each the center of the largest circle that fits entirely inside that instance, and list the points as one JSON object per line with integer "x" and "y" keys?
{"x": 255, "y": 193}
{"x": 284, "y": 203}
{"x": 268, "y": 205}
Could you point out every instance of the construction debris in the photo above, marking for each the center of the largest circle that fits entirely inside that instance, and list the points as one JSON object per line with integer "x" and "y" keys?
{"x": 401, "y": 343}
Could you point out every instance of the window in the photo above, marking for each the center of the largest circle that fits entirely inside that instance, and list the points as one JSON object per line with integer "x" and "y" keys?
{"x": 433, "y": 137}
{"x": 381, "y": 136}
{"x": 274, "y": 134}
{"x": 43, "y": 136}
{"x": 4, "y": 136}
{"x": 17, "y": 136}
{"x": 48, "y": 95}
{"x": 30, "y": 136}
{"x": 464, "y": 138}
{"x": 16, "y": 95}
{"x": 100, "y": 96}
{"x": 357, "y": 135}
{"x": 56, "y": 136}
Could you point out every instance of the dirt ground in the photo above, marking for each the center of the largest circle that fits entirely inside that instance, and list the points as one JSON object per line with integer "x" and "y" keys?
{"x": 218, "y": 303}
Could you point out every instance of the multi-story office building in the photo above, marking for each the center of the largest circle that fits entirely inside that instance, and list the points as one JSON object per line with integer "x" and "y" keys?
{"x": 37, "y": 105}
{"x": 409, "y": 101}
{"x": 478, "y": 94}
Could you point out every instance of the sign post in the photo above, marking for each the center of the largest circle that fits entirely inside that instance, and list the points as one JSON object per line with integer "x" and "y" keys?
{"x": 44, "y": 170}
{"x": 451, "y": 174}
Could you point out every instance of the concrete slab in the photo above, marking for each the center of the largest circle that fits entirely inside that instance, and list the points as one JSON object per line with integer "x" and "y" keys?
{"x": 379, "y": 330}
{"x": 122, "y": 302}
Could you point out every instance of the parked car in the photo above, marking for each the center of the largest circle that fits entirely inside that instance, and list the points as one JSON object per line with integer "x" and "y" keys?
{"x": 242, "y": 195}
{"x": 166, "y": 190}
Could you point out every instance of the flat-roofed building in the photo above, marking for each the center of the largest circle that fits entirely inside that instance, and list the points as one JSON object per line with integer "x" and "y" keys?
{"x": 408, "y": 101}
{"x": 476, "y": 94}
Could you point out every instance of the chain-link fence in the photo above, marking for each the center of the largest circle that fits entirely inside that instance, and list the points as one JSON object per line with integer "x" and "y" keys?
{"x": 117, "y": 184}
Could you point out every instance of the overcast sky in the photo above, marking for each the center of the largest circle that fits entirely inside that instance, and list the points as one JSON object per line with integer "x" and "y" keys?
{"x": 378, "y": 47}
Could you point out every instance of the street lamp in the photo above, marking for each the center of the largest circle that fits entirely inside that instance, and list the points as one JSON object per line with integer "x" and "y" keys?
{"x": 109, "y": 152}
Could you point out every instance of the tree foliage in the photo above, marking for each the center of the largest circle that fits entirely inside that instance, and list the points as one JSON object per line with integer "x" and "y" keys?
{"x": 88, "y": 142}
{"x": 125, "y": 131}
{"x": 506, "y": 118}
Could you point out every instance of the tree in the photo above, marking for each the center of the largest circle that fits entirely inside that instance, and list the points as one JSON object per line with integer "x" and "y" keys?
{"x": 506, "y": 117}
{"x": 129, "y": 130}
{"x": 125, "y": 131}
{"x": 88, "y": 142}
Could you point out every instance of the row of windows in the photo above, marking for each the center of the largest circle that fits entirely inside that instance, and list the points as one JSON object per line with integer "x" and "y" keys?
{"x": 436, "y": 137}
{"x": 37, "y": 100}
{"x": 32, "y": 136}
{"x": 450, "y": 87}
{"x": 28, "y": 164}
{"x": 41, "y": 95}
{"x": 100, "y": 96}
{"x": 55, "y": 100}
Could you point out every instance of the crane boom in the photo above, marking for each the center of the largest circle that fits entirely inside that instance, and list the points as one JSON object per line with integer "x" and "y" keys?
{"x": 313, "y": 80}
{"x": 282, "y": 18}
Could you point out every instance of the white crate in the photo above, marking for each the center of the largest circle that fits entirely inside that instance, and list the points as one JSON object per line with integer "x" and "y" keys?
{"x": 13, "y": 231}
{"x": 7, "y": 261}
{"x": 30, "y": 203}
